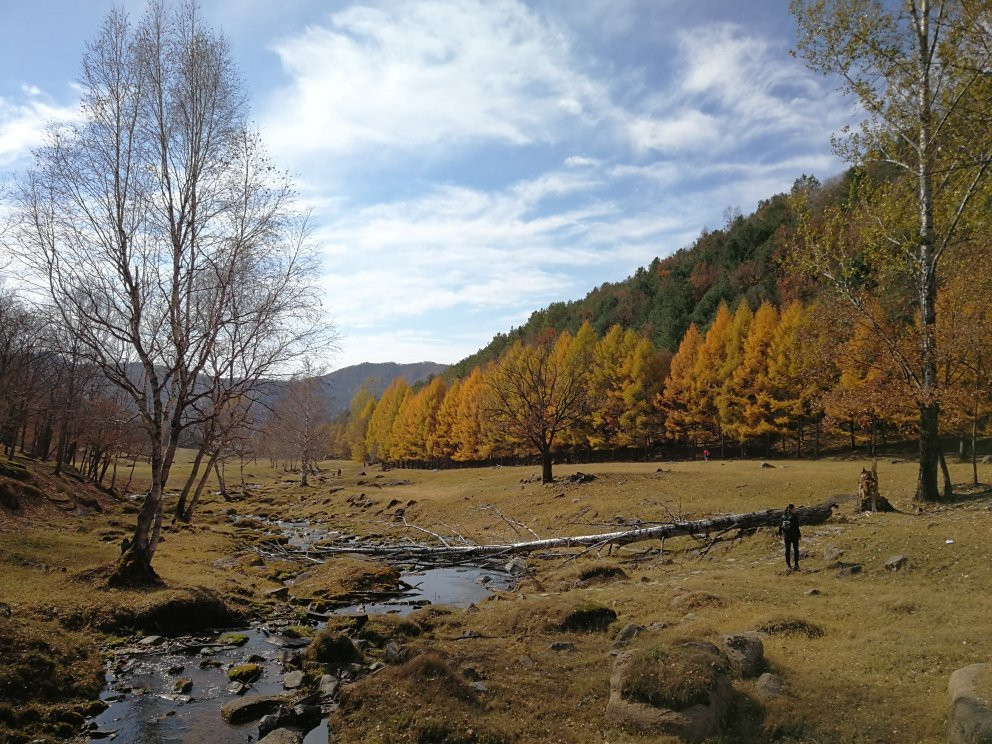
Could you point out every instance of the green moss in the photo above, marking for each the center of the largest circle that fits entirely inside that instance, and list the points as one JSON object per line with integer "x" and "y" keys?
{"x": 244, "y": 673}
{"x": 14, "y": 470}
{"x": 233, "y": 639}
{"x": 298, "y": 631}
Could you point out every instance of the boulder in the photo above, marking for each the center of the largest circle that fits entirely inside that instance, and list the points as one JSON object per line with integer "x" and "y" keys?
{"x": 328, "y": 685}
{"x": 516, "y": 567}
{"x": 768, "y": 687}
{"x": 832, "y": 553}
{"x": 282, "y": 736}
{"x": 560, "y": 646}
{"x": 250, "y": 708}
{"x": 682, "y": 690}
{"x": 970, "y": 718}
{"x": 745, "y": 652}
{"x": 182, "y": 685}
{"x": 292, "y": 680}
{"x": 845, "y": 570}
{"x": 896, "y": 563}
{"x": 627, "y": 634}
{"x": 395, "y": 653}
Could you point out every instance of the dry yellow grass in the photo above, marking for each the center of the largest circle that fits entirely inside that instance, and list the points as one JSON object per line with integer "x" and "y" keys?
{"x": 878, "y": 673}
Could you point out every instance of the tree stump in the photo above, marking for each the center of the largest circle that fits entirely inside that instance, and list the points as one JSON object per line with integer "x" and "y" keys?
{"x": 868, "y": 496}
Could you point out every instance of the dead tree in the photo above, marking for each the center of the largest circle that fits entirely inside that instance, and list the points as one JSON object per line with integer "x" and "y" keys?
{"x": 749, "y": 521}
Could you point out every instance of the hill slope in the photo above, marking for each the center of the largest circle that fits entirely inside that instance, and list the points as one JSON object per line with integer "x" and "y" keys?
{"x": 743, "y": 260}
{"x": 340, "y": 386}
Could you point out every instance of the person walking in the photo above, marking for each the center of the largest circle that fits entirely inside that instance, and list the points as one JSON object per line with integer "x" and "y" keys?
{"x": 789, "y": 529}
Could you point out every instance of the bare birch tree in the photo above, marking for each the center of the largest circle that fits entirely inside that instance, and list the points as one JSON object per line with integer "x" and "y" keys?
{"x": 159, "y": 229}
{"x": 299, "y": 426}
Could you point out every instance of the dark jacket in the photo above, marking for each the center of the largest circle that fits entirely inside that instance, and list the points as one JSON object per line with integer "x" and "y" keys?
{"x": 789, "y": 525}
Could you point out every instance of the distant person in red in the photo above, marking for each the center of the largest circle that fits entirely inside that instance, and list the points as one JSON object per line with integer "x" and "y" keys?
{"x": 706, "y": 454}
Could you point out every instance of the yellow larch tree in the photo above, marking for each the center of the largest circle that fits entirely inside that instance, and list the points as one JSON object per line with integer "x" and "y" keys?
{"x": 746, "y": 403}
{"x": 678, "y": 400}
{"x": 379, "y": 434}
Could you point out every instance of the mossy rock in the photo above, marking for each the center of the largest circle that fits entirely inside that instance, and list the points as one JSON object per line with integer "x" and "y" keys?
{"x": 8, "y": 496}
{"x": 14, "y": 470}
{"x": 245, "y": 673}
{"x": 298, "y": 631}
{"x": 329, "y": 647}
{"x": 182, "y": 685}
{"x": 233, "y": 639}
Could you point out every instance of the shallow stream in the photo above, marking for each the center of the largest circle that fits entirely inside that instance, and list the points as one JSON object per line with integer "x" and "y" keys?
{"x": 146, "y": 708}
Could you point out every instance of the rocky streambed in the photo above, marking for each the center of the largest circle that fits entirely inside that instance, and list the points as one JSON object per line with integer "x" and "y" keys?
{"x": 277, "y": 675}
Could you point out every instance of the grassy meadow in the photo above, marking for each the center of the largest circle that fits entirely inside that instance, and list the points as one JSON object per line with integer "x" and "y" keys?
{"x": 864, "y": 657}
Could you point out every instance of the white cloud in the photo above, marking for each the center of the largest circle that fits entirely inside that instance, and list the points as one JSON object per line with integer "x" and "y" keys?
{"x": 755, "y": 82}
{"x": 732, "y": 88}
{"x": 23, "y": 123}
{"x": 411, "y": 75}
{"x": 688, "y": 130}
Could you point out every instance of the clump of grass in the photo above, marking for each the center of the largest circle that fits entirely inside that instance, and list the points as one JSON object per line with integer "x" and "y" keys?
{"x": 791, "y": 626}
{"x": 431, "y": 670}
{"x": 329, "y": 647}
{"x": 674, "y": 678}
{"x": 587, "y": 617}
{"x": 601, "y": 573}
{"x": 423, "y": 701}
{"x": 48, "y": 678}
{"x": 440, "y": 731}
{"x": 343, "y": 576}
{"x": 381, "y": 629}
{"x": 697, "y": 600}
{"x": 903, "y": 608}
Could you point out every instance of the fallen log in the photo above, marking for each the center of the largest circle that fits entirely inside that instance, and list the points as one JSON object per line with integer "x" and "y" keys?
{"x": 768, "y": 518}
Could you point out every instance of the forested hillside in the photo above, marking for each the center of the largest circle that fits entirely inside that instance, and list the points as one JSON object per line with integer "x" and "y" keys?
{"x": 743, "y": 259}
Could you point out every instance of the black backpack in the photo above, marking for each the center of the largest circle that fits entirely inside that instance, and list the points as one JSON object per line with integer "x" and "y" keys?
{"x": 786, "y": 523}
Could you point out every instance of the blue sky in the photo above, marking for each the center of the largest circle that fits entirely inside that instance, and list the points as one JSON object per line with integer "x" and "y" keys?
{"x": 470, "y": 161}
